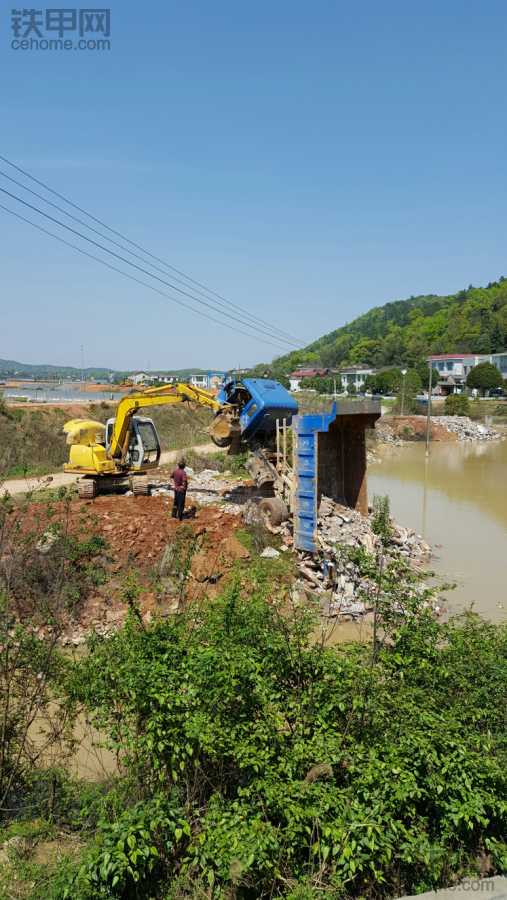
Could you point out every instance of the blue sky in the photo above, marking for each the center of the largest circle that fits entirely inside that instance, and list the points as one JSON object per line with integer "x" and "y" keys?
{"x": 305, "y": 160}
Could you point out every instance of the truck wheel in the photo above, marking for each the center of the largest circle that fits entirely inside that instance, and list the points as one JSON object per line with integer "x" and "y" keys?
{"x": 274, "y": 510}
{"x": 222, "y": 442}
{"x": 87, "y": 489}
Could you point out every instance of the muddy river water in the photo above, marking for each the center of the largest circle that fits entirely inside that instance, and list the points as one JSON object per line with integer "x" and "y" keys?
{"x": 457, "y": 500}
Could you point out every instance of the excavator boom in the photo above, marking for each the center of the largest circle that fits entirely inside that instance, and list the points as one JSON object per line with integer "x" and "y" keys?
{"x": 132, "y": 403}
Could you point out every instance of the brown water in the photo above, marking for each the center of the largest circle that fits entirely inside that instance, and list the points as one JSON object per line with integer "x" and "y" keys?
{"x": 457, "y": 499}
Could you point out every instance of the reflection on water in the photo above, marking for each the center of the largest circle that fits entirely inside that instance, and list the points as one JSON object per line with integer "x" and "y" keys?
{"x": 457, "y": 499}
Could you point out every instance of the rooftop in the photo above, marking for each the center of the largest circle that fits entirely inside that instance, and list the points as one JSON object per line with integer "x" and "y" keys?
{"x": 301, "y": 373}
{"x": 457, "y": 356}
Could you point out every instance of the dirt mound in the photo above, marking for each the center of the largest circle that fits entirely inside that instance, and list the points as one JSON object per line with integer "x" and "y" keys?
{"x": 137, "y": 531}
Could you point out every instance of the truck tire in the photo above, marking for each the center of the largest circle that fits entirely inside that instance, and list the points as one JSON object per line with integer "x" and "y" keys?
{"x": 87, "y": 489}
{"x": 222, "y": 442}
{"x": 274, "y": 510}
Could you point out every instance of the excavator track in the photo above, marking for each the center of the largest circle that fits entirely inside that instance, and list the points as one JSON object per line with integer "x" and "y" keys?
{"x": 140, "y": 486}
{"x": 87, "y": 489}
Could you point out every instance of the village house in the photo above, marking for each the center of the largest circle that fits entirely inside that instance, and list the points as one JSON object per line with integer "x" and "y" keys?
{"x": 295, "y": 378}
{"x": 356, "y": 375}
{"x": 453, "y": 368}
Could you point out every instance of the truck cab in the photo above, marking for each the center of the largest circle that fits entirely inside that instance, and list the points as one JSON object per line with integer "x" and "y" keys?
{"x": 259, "y": 402}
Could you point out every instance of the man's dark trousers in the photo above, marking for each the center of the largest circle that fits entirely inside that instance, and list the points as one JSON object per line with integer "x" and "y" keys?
{"x": 179, "y": 504}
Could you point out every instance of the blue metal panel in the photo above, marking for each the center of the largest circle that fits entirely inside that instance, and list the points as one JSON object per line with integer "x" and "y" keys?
{"x": 305, "y": 470}
{"x": 306, "y": 438}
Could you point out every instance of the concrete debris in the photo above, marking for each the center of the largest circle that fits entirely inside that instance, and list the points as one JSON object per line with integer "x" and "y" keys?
{"x": 46, "y": 541}
{"x": 465, "y": 428}
{"x": 209, "y": 488}
{"x": 400, "y": 431}
{"x": 386, "y": 435}
{"x": 328, "y": 573}
{"x": 270, "y": 553}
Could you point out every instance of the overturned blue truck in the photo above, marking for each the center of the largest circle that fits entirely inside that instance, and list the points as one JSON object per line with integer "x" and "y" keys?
{"x": 300, "y": 458}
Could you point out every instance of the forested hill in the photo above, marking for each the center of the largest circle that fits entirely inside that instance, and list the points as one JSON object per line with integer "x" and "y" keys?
{"x": 405, "y": 332}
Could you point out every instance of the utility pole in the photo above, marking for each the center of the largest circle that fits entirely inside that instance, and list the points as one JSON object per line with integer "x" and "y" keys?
{"x": 428, "y": 420}
{"x": 403, "y": 372}
{"x": 82, "y": 369}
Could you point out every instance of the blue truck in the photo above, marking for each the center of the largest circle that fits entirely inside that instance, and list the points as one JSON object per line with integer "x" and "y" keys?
{"x": 251, "y": 409}
{"x": 328, "y": 451}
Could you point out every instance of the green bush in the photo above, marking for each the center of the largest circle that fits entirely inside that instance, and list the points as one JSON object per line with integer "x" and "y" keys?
{"x": 457, "y": 405}
{"x": 298, "y": 766}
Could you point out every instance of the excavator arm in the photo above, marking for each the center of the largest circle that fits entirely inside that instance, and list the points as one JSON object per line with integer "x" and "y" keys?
{"x": 132, "y": 403}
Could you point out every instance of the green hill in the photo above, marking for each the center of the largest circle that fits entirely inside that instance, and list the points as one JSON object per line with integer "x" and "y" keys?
{"x": 405, "y": 332}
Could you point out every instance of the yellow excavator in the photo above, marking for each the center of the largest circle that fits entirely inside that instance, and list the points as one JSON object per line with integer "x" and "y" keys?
{"x": 119, "y": 454}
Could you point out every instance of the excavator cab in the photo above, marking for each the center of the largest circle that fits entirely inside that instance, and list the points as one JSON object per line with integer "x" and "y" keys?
{"x": 143, "y": 444}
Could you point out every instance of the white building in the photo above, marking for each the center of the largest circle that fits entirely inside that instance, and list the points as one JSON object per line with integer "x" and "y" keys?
{"x": 200, "y": 381}
{"x": 453, "y": 368}
{"x": 166, "y": 379}
{"x": 356, "y": 375}
{"x": 295, "y": 378}
{"x": 138, "y": 377}
{"x": 500, "y": 361}
{"x": 208, "y": 380}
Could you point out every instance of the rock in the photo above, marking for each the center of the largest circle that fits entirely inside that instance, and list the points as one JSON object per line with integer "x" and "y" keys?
{"x": 309, "y": 575}
{"x": 205, "y": 567}
{"x": 189, "y": 471}
{"x": 235, "y": 550}
{"x": 167, "y": 561}
{"x": 270, "y": 553}
{"x": 16, "y": 847}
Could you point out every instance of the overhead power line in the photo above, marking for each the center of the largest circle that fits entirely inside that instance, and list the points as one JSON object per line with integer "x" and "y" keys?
{"x": 146, "y": 252}
{"x": 132, "y": 278}
{"x": 276, "y": 332}
{"x": 139, "y": 268}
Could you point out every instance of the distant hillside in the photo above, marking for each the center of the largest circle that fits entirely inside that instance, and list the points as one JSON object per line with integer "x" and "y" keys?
{"x": 405, "y": 332}
{"x": 8, "y": 368}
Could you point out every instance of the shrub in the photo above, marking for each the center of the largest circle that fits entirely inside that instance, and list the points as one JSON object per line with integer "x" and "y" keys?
{"x": 298, "y": 766}
{"x": 484, "y": 376}
{"x": 457, "y": 405}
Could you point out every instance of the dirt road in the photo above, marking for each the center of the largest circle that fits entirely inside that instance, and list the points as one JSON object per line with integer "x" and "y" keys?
{"x": 16, "y": 486}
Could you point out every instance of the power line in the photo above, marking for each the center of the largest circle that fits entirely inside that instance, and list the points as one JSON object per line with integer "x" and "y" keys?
{"x": 139, "y": 268}
{"x": 75, "y": 219}
{"x": 209, "y": 291}
{"x": 132, "y": 278}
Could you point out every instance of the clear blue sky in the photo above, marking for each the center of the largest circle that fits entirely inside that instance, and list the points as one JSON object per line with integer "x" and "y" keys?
{"x": 306, "y": 160}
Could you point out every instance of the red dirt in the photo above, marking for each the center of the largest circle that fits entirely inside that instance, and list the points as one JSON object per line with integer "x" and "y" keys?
{"x": 137, "y": 531}
{"x": 418, "y": 423}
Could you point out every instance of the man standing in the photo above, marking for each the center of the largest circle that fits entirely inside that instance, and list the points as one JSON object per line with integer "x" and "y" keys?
{"x": 179, "y": 477}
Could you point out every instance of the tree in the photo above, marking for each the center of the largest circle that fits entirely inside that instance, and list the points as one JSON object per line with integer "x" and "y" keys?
{"x": 483, "y": 377}
{"x": 424, "y": 375}
{"x": 351, "y": 389}
{"x": 457, "y": 405}
{"x": 320, "y": 384}
{"x": 385, "y": 382}
{"x": 497, "y": 338}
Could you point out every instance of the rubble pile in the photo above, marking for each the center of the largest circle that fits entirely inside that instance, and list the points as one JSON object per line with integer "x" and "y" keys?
{"x": 208, "y": 488}
{"x": 465, "y": 428}
{"x": 331, "y": 573}
{"x": 386, "y": 435}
